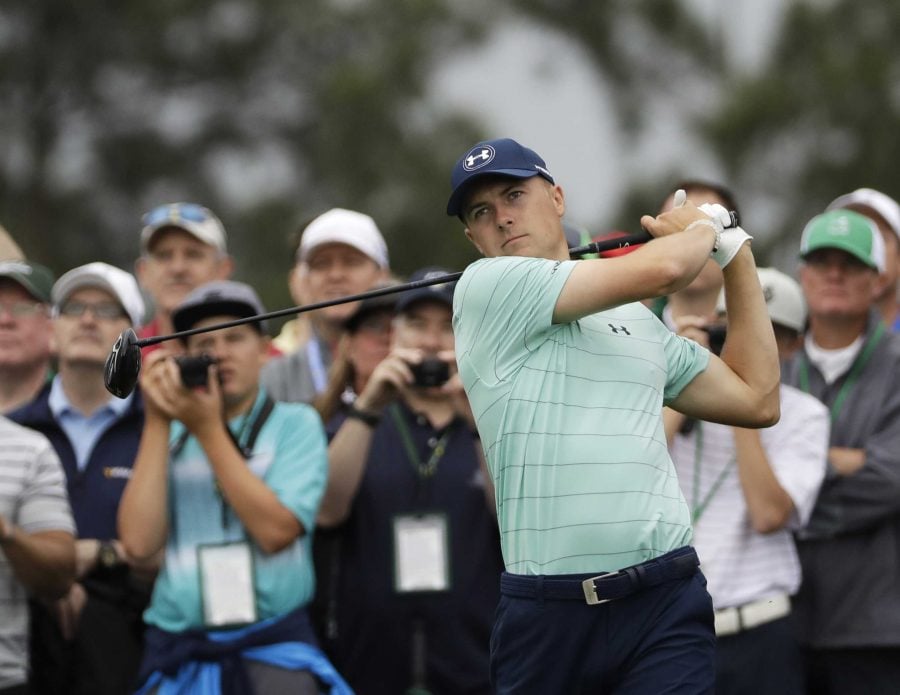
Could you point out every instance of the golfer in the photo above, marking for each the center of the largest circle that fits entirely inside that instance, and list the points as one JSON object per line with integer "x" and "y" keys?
{"x": 567, "y": 373}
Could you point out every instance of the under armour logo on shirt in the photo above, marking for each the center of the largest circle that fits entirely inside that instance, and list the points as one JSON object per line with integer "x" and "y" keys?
{"x": 620, "y": 328}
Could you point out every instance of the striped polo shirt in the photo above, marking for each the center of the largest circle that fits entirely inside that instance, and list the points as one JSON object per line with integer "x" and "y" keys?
{"x": 33, "y": 497}
{"x": 570, "y": 419}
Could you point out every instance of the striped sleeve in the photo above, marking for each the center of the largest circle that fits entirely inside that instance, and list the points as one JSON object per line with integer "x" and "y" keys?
{"x": 31, "y": 469}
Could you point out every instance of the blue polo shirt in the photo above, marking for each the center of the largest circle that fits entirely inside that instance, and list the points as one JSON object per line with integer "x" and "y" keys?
{"x": 290, "y": 457}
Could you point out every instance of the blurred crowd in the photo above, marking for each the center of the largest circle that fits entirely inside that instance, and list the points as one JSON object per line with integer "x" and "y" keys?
{"x": 312, "y": 512}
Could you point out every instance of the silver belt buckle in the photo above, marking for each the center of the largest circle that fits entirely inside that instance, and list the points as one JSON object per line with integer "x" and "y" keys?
{"x": 590, "y": 591}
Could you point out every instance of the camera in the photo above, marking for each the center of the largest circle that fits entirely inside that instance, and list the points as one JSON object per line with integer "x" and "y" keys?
{"x": 430, "y": 372}
{"x": 716, "y": 334}
{"x": 194, "y": 368}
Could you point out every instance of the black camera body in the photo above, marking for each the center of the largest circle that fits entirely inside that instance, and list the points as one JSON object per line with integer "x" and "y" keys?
{"x": 716, "y": 333}
{"x": 194, "y": 369}
{"x": 430, "y": 372}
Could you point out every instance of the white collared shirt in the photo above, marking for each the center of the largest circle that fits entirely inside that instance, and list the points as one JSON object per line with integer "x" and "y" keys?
{"x": 740, "y": 564}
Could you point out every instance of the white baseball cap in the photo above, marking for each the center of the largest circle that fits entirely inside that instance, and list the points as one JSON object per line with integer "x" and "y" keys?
{"x": 194, "y": 219}
{"x": 117, "y": 282}
{"x": 784, "y": 299}
{"x": 881, "y": 203}
{"x": 339, "y": 226}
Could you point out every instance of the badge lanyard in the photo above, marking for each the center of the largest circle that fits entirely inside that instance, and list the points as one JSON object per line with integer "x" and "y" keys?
{"x": 424, "y": 469}
{"x": 698, "y": 507}
{"x": 316, "y": 364}
{"x": 858, "y": 364}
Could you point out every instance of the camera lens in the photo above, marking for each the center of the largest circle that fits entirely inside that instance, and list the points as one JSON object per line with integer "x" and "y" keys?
{"x": 430, "y": 372}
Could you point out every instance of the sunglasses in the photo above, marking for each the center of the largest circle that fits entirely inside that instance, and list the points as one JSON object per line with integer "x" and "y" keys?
{"x": 176, "y": 212}
{"x": 107, "y": 311}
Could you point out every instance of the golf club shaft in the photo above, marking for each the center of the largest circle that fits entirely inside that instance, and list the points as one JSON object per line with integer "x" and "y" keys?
{"x": 593, "y": 247}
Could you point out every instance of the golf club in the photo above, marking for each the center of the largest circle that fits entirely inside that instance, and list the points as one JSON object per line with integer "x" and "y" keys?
{"x": 123, "y": 365}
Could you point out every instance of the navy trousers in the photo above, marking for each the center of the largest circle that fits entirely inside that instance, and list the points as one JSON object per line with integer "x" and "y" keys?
{"x": 655, "y": 641}
{"x": 764, "y": 659}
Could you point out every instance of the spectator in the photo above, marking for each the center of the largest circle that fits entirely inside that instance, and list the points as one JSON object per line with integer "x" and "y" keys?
{"x": 341, "y": 253}
{"x": 183, "y": 245}
{"x": 25, "y": 332}
{"x": 699, "y": 297}
{"x": 90, "y": 640}
{"x": 885, "y": 213}
{"x": 848, "y": 608}
{"x": 366, "y": 342}
{"x": 417, "y": 580}
{"x": 228, "y": 484}
{"x": 37, "y": 548}
{"x": 748, "y": 491}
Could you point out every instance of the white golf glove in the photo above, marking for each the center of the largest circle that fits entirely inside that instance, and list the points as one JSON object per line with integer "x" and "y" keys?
{"x": 729, "y": 242}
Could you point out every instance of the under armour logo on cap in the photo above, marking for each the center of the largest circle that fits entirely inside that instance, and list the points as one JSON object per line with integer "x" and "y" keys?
{"x": 478, "y": 156}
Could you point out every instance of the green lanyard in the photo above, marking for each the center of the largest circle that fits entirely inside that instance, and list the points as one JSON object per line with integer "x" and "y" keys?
{"x": 697, "y": 508}
{"x": 858, "y": 364}
{"x": 424, "y": 469}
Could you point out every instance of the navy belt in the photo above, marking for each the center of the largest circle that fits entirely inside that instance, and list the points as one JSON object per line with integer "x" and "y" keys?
{"x": 602, "y": 588}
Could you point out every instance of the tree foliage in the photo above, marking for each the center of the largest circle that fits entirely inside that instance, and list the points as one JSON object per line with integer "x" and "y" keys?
{"x": 267, "y": 111}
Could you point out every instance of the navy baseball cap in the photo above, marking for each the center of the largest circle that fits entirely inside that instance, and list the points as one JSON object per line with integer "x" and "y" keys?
{"x": 218, "y": 298}
{"x": 441, "y": 293}
{"x": 502, "y": 157}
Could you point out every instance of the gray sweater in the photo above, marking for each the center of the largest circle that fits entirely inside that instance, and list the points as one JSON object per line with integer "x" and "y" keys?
{"x": 850, "y": 551}
{"x": 289, "y": 378}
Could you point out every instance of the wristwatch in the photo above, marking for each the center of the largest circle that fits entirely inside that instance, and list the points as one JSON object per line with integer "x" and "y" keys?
{"x": 107, "y": 555}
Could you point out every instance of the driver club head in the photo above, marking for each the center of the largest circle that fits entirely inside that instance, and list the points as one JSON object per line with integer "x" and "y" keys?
{"x": 123, "y": 364}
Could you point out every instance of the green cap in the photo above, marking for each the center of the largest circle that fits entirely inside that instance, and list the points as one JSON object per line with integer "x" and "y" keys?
{"x": 34, "y": 279}
{"x": 847, "y": 231}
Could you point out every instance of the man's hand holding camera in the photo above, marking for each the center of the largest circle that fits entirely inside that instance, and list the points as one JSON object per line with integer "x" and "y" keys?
{"x": 401, "y": 370}
{"x": 168, "y": 398}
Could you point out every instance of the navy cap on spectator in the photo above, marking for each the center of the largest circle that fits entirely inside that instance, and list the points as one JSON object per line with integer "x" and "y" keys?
{"x": 442, "y": 293}
{"x": 369, "y": 306}
{"x": 219, "y": 298}
{"x": 502, "y": 157}
{"x": 35, "y": 279}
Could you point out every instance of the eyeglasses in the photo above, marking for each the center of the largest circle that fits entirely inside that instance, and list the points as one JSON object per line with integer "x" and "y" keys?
{"x": 176, "y": 212}
{"x": 23, "y": 310}
{"x": 107, "y": 311}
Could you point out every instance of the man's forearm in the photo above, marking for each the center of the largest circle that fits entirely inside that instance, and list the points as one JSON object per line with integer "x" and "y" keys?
{"x": 44, "y": 561}
{"x": 768, "y": 504}
{"x": 347, "y": 455}
{"x": 750, "y": 350}
{"x": 143, "y": 517}
{"x": 272, "y": 525}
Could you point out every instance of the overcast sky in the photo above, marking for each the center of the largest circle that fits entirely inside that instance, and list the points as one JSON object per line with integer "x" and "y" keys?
{"x": 543, "y": 91}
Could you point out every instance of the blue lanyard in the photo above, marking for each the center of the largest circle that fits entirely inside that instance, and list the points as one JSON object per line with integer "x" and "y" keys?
{"x": 316, "y": 364}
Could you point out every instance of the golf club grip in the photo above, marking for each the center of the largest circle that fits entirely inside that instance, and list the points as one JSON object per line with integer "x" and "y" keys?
{"x": 619, "y": 242}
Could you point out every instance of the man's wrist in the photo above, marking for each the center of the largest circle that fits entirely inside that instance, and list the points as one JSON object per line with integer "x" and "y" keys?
{"x": 711, "y": 224}
{"x": 365, "y": 416}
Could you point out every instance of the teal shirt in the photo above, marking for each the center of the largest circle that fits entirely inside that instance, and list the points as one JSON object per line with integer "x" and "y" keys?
{"x": 570, "y": 416}
{"x": 290, "y": 456}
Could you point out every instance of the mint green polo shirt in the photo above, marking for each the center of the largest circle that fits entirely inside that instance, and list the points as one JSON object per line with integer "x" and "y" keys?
{"x": 570, "y": 417}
